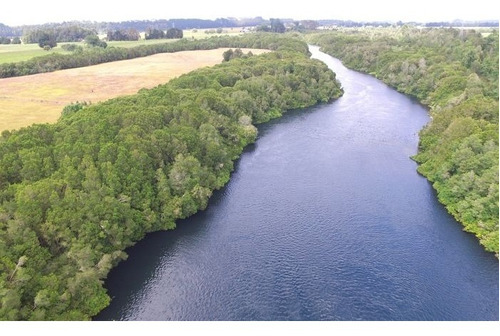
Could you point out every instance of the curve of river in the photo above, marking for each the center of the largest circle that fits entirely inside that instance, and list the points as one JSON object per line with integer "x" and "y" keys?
{"x": 325, "y": 218}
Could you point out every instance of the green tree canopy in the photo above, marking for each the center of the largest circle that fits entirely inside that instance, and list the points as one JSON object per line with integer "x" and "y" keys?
{"x": 75, "y": 194}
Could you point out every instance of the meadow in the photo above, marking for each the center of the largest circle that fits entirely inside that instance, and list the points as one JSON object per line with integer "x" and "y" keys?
{"x": 23, "y": 52}
{"x": 40, "y": 98}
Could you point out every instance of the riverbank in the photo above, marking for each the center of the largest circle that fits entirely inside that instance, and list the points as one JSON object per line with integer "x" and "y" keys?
{"x": 76, "y": 193}
{"x": 458, "y": 150}
{"x": 324, "y": 219}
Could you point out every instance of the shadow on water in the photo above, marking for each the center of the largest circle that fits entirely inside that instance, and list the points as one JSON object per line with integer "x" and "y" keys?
{"x": 324, "y": 218}
{"x": 122, "y": 283}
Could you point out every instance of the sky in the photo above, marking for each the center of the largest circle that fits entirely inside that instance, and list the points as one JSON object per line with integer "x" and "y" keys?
{"x": 21, "y": 12}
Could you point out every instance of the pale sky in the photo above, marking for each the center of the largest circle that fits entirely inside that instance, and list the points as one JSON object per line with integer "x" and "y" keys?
{"x": 22, "y": 12}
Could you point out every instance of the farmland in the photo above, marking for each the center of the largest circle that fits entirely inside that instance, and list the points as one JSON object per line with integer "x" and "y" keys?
{"x": 23, "y": 52}
{"x": 40, "y": 98}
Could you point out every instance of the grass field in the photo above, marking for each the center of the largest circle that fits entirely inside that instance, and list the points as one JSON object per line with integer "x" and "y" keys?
{"x": 40, "y": 98}
{"x": 23, "y": 52}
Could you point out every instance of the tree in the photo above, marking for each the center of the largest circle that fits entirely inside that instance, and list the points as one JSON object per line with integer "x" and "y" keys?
{"x": 74, "y": 195}
{"x": 153, "y": 33}
{"x": 230, "y": 54}
{"x": 227, "y": 55}
{"x": 47, "y": 41}
{"x": 94, "y": 41}
{"x": 123, "y": 35}
{"x": 277, "y": 26}
{"x": 445, "y": 69}
{"x": 174, "y": 33}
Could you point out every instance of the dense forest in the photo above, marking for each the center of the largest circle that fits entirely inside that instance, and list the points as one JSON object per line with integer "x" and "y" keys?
{"x": 91, "y": 56}
{"x": 75, "y": 194}
{"x": 455, "y": 73}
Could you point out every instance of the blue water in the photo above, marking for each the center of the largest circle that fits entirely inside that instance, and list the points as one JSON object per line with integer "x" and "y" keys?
{"x": 325, "y": 218}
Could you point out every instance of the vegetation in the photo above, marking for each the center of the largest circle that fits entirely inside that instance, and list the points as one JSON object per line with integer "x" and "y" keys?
{"x": 275, "y": 26}
{"x": 154, "y": 34}
{"x": 232, "y": 54}
{"x": 14, "y": 53}
{"x": 46, "y": 41}
{"x": 144, "y": 25}
{"x": 123, "y": 35}
{"x": 174, "y": 33}
{"x": 75, "y": 194}
{"x": 23, "y": 52}
{"x": 94, "y": 41}
{"x": 92, "y": 56}
{"x": 21, "y": 105}
{"x": 139, "y": 25}
{"x": 72, "y": 33}
{"x": 455, "y": 72}
{"x": 5, "y": 40}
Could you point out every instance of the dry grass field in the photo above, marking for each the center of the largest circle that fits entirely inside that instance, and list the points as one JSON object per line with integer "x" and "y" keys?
{"x": 40, "y": 98}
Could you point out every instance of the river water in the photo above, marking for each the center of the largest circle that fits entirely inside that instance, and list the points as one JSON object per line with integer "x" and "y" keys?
{"x": 325, "y": 218}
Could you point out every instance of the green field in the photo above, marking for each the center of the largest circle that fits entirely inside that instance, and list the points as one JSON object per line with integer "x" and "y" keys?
{"x": 23, "y": 52}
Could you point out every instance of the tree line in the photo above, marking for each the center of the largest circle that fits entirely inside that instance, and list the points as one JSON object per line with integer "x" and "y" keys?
{"x": 50, "y": 37}
{"x": 123, "y": 35}
{"x": 75, "y": 194}
{"x": 139, "y": 25}
{"x": 171, "y": 33}
{"x": 455, "y": 73}
{"x": 93, "y": 56}
{"x": 72, "y": 33}
{"x": 8, "y": 40}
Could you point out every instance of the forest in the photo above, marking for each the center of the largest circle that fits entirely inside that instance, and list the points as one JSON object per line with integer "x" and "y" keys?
{"x": 75, "y": 194}
{"x": 455, "y": 73}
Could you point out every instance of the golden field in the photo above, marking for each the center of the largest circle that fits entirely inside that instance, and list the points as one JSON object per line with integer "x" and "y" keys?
{"x": 40, "y": 98}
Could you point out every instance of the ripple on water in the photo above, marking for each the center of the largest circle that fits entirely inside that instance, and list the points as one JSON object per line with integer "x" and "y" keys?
{"x": 325, "y": 218}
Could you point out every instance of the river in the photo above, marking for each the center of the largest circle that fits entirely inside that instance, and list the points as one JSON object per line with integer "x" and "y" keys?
{"x": 325, "y": 218}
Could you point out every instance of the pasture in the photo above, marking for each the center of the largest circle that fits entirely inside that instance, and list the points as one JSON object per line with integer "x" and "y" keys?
{"x": 10, "y": 53}
{"x": 23, "y": 52}
{"x": 40, "y": 98}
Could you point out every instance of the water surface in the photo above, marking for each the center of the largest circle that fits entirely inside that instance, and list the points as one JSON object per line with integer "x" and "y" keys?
{"x": 325, "y": 218}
